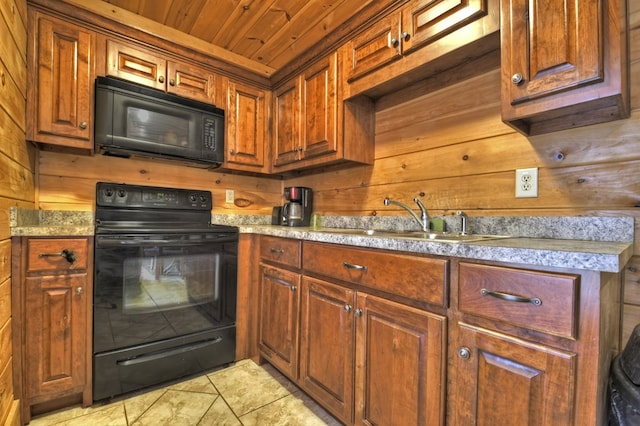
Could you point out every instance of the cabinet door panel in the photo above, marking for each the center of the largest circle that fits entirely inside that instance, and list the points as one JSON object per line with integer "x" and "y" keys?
{"x": 65, "y": 81}
{"x": 400, "y": 357}
{"x": 552, "y": 44}
{"x": 56, "y": 311}
{"x": 246, "y": 129}
{"x": 374, "y": 48}
{"x": 191, "y": 82}
{"x": 320, "y": 109}
{"x": 326, "y": 349}
{"x": 279, "y": 318}
{"x": 426, "y": 21}
{"x": 286, "y": 128}
{"x": 507, "y": 378}
{"x": 136, "y": 66}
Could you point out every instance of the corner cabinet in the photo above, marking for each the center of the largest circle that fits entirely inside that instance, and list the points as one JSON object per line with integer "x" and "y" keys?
{"x": 314, "y": 127}
{"x": 52, "y": 296}
{"x": 60, "y": 56}
{"x": 564, "y": 65}
{"x": 247, "y": 126}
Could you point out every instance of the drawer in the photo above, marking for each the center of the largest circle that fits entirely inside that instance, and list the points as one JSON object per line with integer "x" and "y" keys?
{"x": 282, "y": 251}
{"x": 44, "y": 254}
{"x": 418, "y": 278}
{"x": 542, "y": 301}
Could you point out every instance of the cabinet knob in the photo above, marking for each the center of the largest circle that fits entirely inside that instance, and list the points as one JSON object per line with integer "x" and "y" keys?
{"x": 348, "y": 308}
{"x": 393, "y": 42}
{"x": 294, "y": 288}
{"x": 232, "y": 151}
{"x": 405, "y": 36}
{"x": 79, "y": 291}
{"x": 161, "y": 79}
{"x": 83, "y": 125}
{"x": 172, "y": 82}
{"x": 464, "y": 352}
{"x": 516, "y": 78}
{"x": 358, "y": 312}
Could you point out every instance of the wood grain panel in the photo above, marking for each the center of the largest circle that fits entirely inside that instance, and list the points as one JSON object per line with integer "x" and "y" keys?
{"x": 632, "y": 282}
{"x": 5, "y": 260}
{"x": 5, "y": 301}
{"x": 13, "y": 34}
{"x": 70, "y": 180}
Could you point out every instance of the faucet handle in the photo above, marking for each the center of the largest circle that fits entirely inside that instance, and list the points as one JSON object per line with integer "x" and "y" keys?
{"x": 465, "y": 222}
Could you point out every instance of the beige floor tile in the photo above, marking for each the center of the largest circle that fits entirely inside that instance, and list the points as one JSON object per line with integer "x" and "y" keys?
{"x": 220, "y": 415}
{"x": 61, "y": 416}
{"x": 292, "y": 410}
{"x": 200, "y": 384}
{"x": 111, "y": 415}
{"x": 135, "y": 406}
{"x": 246, "y": 387}
{"x": 177, "y": 408}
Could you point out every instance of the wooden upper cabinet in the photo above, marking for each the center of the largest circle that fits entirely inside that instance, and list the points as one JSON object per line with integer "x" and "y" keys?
{"x": 563, "y": 64}
{"x": 151, "y": 69}
{"x": 246, "y": 127}
{"x": 60, "y": 89}
{"x": 419, "y": 23}
{"x": 286, "y": 126}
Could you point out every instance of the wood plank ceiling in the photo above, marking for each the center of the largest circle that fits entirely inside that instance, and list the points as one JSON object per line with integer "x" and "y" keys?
{"x": 271, "y": 32}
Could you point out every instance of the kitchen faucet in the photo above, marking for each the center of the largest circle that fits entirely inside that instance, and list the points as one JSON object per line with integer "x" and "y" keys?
{"x": 423, "y": 219}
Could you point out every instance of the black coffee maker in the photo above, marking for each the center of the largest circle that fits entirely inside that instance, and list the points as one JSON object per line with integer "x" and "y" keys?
{"x": 299, "y": 206}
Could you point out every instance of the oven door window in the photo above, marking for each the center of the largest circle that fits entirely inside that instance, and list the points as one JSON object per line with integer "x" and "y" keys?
{"x": 152, "y": 291}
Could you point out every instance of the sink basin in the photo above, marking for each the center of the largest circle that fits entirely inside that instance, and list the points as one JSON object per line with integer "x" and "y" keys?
{"x": 442, "y": 237}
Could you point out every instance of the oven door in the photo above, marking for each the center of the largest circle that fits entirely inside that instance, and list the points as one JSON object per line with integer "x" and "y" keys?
{"x": 155, "y": 287}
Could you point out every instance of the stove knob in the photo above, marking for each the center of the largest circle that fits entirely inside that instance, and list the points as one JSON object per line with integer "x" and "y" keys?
{"x": 203, "y": 199}
{"x": 122, "y": 193}
{"x": 192, "y": 198}
{"x": 108, "y": 192}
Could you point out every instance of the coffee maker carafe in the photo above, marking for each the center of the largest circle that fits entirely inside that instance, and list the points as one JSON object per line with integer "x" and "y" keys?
{"x": 297, "y": 210}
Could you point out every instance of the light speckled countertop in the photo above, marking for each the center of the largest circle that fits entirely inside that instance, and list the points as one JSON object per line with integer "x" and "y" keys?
{"x": 591, "y": 243}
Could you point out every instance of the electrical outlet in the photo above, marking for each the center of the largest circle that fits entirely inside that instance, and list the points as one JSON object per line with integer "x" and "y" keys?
{"x": 527, "y": 183}
{"x": 230, "y": 196}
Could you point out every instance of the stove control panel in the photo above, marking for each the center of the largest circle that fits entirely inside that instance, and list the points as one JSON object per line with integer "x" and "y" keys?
{"x": 137, "y": 196}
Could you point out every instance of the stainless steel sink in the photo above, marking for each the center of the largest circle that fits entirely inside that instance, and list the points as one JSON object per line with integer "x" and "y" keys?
{"x": 443, "y": 237}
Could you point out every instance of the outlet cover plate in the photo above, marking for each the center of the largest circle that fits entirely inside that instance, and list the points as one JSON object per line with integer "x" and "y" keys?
{"x": 527, "y": 183}
{"x": 230, "y": 196}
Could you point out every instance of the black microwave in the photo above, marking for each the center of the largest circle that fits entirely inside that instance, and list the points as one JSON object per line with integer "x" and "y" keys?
{"x": 132, "y": 120}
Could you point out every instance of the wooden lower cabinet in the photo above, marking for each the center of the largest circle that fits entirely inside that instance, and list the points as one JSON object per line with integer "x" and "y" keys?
{"x": 52, "y": 297}
{"x": 496, "y": 379}
{"x": 279, "y": 302}
{"x": 371, "y": 360}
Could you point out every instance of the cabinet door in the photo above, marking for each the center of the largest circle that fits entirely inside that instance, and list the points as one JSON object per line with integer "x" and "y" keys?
{"x": 63, "y": 98}
{"x": 426, "y": 21}
{"x": 191, "y": 82}
{"x": 320, "y": 108}
{"x": 550, "y": 46}
{"x": 246, "y": 125}
{"x": 56, "y": 317}
{"x": 279, "y": 301}
{"x": 497, "y": 379}
{"x": 326, "y": 346}
{"x": 400, "y": 364}
{"x": 377, "y": 46}
{"x": 134, "y": 65}
{"x": 286, "y": 128}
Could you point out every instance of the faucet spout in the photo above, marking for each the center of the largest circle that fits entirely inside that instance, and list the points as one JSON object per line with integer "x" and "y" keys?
{"x": 423, "y": 219}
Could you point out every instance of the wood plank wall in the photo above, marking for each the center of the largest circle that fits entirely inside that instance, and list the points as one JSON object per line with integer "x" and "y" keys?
{"x": 442, "y": 138}
{"x": 17, "y": 167}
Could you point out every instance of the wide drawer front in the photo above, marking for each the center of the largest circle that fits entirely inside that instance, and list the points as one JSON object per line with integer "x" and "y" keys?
{"x": 419, "y": 278}
{"x": 280, "y": 250}
{"x": 535, "y": 300}
{"x": 46, "y": 254}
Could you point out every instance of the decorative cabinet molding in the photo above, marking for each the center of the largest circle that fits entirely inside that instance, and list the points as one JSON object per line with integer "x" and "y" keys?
{"x": 563, "y": 65}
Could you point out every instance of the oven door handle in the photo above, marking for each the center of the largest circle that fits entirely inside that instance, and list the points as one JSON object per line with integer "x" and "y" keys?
{"x": 102, "y": 243}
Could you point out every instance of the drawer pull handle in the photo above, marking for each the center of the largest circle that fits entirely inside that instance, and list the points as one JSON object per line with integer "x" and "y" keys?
{"x": 69, "y": 255}
{"x": 277, "y": 251}
{"x": 511, "y": 297}
{"x": 281, "y": 281}
{"x": 356, "y": 267}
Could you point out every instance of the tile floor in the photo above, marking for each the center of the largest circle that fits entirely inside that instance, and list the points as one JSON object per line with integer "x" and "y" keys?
{"x": 242, "y": 394}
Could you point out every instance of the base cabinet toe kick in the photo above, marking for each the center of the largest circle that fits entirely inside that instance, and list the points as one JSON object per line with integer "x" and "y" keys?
{"x": 376, "y": 336}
